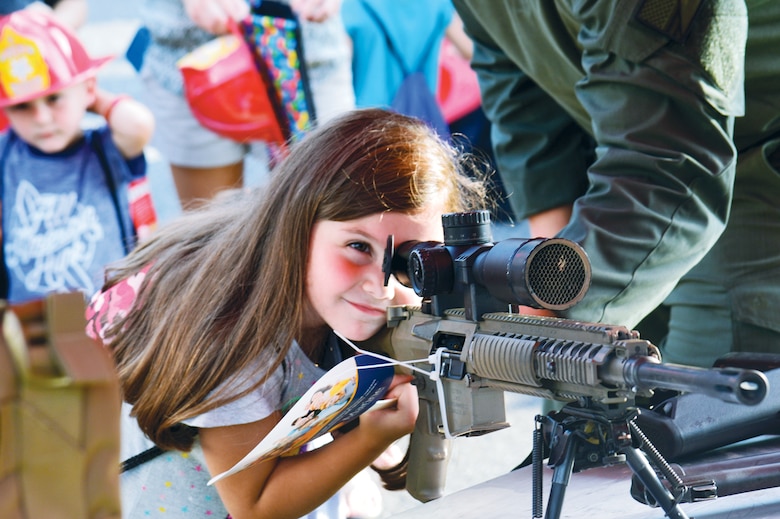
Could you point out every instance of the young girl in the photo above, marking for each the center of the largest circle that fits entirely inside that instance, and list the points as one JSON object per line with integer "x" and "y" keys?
{"x": 225, "y": 318}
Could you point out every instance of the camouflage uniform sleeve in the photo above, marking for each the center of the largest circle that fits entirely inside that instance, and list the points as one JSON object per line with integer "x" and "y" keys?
{"x": 657, "y": 94}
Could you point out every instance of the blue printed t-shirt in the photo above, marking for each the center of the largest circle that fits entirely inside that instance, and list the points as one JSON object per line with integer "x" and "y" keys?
{"x": 60, "y": 224}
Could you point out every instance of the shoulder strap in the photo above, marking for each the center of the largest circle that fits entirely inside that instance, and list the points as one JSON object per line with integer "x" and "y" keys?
{"x": 393, "y": 50}
{"x": 139, "y": 459}
{"x": 95, "y": 141}
{"x": 3, "y": 268}
{"x": 378, "y": 21}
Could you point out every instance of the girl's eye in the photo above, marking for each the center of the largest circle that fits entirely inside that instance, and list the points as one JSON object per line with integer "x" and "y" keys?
{"x": 360, "y": 247}
{"x": 53, "y": 98}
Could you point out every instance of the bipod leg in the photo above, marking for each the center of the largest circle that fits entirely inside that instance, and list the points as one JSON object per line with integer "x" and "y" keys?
{"x": 561, "y": 475}
{"x": 644, "y": 471}
{"x": 537, "y": 465}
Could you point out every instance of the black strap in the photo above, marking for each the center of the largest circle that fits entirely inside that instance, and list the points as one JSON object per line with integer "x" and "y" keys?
{"x": 97, "y": 146}
{"x": 139, "y": 459}
{"x": 4, "y": 282}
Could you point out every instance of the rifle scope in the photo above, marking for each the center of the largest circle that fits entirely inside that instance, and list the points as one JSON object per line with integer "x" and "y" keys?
{"x": 550, "y": 273}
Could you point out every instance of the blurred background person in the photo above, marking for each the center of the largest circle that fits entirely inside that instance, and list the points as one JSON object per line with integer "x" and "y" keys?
{"x": 202, "y": 162}
{"x": 66, "y": 191}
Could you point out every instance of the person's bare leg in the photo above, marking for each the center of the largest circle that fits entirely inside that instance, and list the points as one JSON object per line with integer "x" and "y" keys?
{"x": 196, "y": 185}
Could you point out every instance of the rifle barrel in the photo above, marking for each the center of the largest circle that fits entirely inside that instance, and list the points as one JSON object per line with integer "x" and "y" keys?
{"x": 741, "y": 386}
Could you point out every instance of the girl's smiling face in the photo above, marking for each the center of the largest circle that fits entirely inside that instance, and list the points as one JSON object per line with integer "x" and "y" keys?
{"x": 344, "y": 278}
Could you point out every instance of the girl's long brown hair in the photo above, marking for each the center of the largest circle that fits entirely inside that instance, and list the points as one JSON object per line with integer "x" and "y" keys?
{"x": 225, "y": 291}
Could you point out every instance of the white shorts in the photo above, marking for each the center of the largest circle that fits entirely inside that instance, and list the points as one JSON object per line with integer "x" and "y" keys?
{"x": 183, "y": 141}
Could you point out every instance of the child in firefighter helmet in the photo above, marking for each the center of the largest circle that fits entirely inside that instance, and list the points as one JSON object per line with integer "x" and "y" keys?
{"x": 65, "y": 197}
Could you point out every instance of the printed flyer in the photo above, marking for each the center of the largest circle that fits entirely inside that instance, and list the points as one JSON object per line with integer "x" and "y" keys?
{"x": 350, "y": 388}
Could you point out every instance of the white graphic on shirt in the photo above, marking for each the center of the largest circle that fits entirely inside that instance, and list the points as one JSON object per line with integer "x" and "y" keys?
{"x": 52, "y": 240}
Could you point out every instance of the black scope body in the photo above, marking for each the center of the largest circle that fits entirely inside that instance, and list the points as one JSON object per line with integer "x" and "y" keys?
{"x": 469, "y": 270}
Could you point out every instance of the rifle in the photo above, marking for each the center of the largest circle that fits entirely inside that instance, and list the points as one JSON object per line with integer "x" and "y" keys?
{"x": 474, "y": 349}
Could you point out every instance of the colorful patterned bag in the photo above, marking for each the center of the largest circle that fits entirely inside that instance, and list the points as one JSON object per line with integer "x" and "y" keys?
{"x": 275, "y": 32}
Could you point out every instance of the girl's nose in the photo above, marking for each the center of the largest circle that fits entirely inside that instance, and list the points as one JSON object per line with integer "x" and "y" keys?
{"x": 374, "y": 284}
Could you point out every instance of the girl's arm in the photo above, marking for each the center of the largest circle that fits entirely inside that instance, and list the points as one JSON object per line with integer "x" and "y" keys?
{"x": 293, "y": 486}
{"x": 131, "y": 123}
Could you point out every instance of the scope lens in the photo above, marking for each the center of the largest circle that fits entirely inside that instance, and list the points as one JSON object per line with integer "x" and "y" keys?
{"x": 559, "y": 274}
{"x": 401, "y": 274}
{"x": 431, "y": 270}
{"x": 416, "y": 273}
{"x": 411, "y": 267}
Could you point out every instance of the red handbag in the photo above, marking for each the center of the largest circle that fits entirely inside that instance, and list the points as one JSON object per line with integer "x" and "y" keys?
{"x": 229, "y": 94}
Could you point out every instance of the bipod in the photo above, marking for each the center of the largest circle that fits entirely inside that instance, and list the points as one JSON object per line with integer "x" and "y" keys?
{"x": 595, "y": 435}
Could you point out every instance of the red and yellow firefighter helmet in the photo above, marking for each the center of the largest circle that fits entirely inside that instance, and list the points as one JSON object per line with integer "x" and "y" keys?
{"x": 227, "y": 93}
{"x": 38, "y": 56}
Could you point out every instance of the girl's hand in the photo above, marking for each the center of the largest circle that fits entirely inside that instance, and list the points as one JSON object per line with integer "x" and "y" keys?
{"x": 213, "y": 15}
{"x": 394, "y": 422}
{"x": 315, "y": 10}
{"x": 264, "y": 489}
